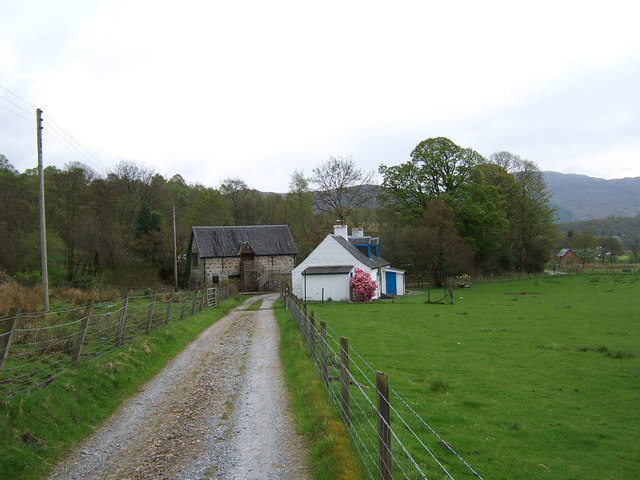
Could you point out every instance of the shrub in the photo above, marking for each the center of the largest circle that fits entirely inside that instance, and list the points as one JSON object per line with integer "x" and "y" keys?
{"x": 363, "y": 286}
{"x": 12, "y": 294}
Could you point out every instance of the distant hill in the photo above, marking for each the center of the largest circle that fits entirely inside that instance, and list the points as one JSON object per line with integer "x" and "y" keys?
{"x": 579, "y": 197}
{"x": 625, "y": 229}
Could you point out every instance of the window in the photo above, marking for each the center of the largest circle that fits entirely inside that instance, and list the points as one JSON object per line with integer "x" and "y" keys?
{"x": 194, "y": 260}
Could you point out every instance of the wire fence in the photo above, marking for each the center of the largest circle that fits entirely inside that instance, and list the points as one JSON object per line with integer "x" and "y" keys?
{"x": 391, "y": 438}
{"x": 35, "y": 348}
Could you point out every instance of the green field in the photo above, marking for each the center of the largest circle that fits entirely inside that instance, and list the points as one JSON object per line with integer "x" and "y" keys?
{"x": 526, "y": 379}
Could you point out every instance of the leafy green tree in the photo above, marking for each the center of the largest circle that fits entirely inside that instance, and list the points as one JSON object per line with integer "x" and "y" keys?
{"x": 236, "y": 191}
{"x": 299, "y": 214}
{"x": 210, "y": 207}
{"x": 69, "y": 210}
{"x": 19, "y": 230}
{"x": 148, "y": 221}
{"x": 532, "y": 231}
{"x": 6, "y": 165}
{"x": 432, "y": 244}
{"x": 441, "y": 169}
{"x": 634, "y": 246}
{"x": 609, "y": 249}
{"x": 585, "y": 245}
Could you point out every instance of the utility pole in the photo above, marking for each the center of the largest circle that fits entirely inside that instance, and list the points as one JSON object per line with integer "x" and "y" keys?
{"x": 43, "y": 229}
{"x": 175, "y": 257}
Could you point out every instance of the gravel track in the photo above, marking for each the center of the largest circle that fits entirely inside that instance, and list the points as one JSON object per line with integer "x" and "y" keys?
{"x": 217, "y": 411}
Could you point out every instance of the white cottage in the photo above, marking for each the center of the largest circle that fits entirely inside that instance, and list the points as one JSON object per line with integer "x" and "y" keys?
{"x": 325, "y": 273}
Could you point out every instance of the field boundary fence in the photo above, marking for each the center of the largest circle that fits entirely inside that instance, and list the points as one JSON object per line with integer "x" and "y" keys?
{"x": 392, "y": 440}
{"x": 35, "y": 348}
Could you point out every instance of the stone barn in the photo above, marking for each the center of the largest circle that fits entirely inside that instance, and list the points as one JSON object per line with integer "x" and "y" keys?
{"x": 258, "y": 257}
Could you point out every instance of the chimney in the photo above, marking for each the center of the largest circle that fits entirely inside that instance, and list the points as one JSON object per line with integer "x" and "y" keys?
{"x": 340, "y": 228}
{"x": 357, "y": 232}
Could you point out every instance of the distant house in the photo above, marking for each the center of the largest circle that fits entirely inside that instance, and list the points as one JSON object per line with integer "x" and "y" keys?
{"x": 325, "y": 273}
{"x": 567, "y": 256}
{"x": 259, "y": 257}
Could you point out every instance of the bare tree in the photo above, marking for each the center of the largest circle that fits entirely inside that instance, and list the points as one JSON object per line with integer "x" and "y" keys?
{"x": 341, "y": 186}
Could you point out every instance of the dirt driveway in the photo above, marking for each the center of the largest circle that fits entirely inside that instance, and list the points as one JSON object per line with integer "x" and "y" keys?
{"x": 217, "y": 411}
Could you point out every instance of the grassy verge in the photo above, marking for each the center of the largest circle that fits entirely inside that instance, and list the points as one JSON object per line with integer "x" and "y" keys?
{"x": 527, "y": 379}
{"x": 331, "y": 453}
{"x": 38, "y": 428}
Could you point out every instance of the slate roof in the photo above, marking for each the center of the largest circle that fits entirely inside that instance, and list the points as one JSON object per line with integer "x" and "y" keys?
{"x": 374, "y": 262}
{"x": 563, "y": 252}
{"x": 227, "y": 241}
{"x": 368, "y": 240}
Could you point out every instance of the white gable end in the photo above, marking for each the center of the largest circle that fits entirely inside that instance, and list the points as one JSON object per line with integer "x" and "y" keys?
{"x": 328, "y": 253}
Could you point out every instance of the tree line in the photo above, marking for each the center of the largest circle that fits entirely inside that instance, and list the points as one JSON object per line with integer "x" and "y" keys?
{"x": 447, "y": 209}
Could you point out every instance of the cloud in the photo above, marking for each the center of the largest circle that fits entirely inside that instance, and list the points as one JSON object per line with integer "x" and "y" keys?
{"x": 256, "y": 90}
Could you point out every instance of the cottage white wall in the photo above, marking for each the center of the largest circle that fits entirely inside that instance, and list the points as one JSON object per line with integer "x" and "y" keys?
{"x": 328, "y": 253}
{"x": 400, "y": 283}
{"x": 336, "y": 287}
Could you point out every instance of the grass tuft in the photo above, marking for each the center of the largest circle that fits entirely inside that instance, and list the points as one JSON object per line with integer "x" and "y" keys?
{"x": 439, "y": 386}
{"x": 331, "y": 453}
{"x": 68, "y": 409}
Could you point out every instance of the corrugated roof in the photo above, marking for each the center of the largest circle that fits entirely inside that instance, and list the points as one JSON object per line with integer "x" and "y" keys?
{"x": 374, "y": 262}
{"x": 327, "y": 270}
{"x": 227, "y": 241}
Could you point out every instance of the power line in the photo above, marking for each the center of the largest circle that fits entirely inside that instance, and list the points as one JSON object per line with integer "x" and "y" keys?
{"x": 14, "y": 103}
{"x": 75, "y": 150}
{"x": 30, "y": 120}
{"x": 55, "y": 131}
{"x": 17, "y": 96}
{"x": 77, "y": 145}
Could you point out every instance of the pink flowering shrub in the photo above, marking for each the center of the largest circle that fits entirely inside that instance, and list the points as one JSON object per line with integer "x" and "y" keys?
{"x": 363, "y": 286}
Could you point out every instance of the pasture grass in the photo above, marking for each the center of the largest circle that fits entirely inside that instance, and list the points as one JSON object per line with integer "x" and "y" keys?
{"x": 39, "y": 427}
{"x": 529, "y": 379}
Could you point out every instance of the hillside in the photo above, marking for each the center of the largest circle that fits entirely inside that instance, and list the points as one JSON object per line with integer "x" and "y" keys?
{"x": 579, "y": 197}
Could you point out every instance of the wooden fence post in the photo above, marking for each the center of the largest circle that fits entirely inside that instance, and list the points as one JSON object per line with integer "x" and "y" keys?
{"x": 150, "y": 314}
{"x": 123, "y": 314}
{"x": 384, "y": 427}
{"x": 312, "y": 335}
{"x": 203, "y": 300}
{"x": 168, "y": 314}
{"x": 324, "y": 367}
{"x": 6, "y": 330}
{"x": 344, "y": 357}
{"x": 184, "y": 306}
{"x": 193, "y": 305}
{"x": 81, "y": 334}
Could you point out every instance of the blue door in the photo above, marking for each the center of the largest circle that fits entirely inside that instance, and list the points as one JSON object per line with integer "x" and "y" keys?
{"x": 390, "y": 278}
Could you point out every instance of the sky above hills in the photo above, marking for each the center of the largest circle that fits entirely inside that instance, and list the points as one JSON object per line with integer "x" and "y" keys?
{"x": 256, "y": 90}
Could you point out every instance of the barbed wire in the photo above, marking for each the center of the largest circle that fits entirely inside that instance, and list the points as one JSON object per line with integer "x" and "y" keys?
{"x": 407, "y": 462}
{"x": 41, "y": 346}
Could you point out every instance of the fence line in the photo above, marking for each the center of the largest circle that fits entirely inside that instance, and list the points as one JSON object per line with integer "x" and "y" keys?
{"x": 392, "y": 440}
{"x": 35, "y": 348}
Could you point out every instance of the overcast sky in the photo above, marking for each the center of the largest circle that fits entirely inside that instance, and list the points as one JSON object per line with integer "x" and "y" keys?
{"x": 258, "y": 89}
